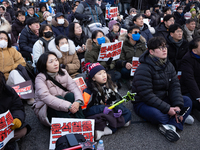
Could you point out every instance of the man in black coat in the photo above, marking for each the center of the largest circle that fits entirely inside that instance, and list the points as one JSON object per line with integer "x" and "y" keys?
{"x": 28, "y": 37}
{"x": 159, "y": 98}
{"x": 18, "y": 24}
{"x": 190, "y": 77}
{"x": 177, "y": 46}
{"x": 9, "y": 100}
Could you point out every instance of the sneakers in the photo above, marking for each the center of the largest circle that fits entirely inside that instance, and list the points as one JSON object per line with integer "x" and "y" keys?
{"x": 196, "y": 114}
{"x": 169, "y": 131}
{"x": 189, "y": 120}
{"x": 30, "y": 101}
{"x": 99, "y": 134}
{"x": 127, "y": 124}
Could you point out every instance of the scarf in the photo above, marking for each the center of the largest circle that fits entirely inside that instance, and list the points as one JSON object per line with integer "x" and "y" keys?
{"x": 189, "y": 34}
{"x": 158, "y": 61}
{"x": 52, "y": 74}
{"x": 195, "y": 55}
{"x": 177, "y": 44}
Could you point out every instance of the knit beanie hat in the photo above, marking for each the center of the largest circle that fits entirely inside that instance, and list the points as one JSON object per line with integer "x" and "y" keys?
{"x": 45, "y": 13}
{"x": 193, "y": 9}
{"x": 94, "y": 68}
{"x": 187, "y": 15}
{"x": 112, "y": 23}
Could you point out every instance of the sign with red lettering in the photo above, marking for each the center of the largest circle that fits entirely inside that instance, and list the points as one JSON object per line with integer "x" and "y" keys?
{"x": 112, "y": 14}
{"x": 63, "y": 126}
{"x": 110, "y": 50}
{"x": 81, "y": 83}
{"x": 24, "y": 89}
{"x": 123, "y": 31}
{"x": 83, "y": 68}
{"x": 6, "y": 133}
{"x": 135, "y": 64}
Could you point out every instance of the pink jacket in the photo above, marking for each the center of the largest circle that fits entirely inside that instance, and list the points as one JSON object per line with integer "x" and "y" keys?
{"x": 45, "y": 95}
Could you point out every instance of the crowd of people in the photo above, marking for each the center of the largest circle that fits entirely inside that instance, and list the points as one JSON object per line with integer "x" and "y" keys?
{"x": 46, "y": 43}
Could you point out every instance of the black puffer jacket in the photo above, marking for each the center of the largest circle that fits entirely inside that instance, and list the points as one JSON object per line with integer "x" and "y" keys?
{"x": 161, "y": 30}
{"x": 27, "y": 39}
{"x": 153, "y": 85}
{"x": 17, "y": 28}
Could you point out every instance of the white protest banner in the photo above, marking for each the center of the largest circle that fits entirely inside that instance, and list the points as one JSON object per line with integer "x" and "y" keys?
{"x": 6, "y": 133}
{"x": 63, "y": 126}
{"x": 83, "y": 68}
{"x": 81, "y": 83}
{"x": 135, "y": 64}
{"x": 24, "y": 89}
{"x": 123, "y": 31}
{"x": 110, "y": 50}
{"x": 111, "y": 13}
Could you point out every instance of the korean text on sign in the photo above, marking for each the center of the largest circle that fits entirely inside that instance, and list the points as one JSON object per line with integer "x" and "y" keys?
{"x": 6, "y": 133}
{"x": 110, "y": 50}
{"x": 81, "y": 83}
{"x": 135, "y": 64}
{"x": 113, "y": 13}
{"x": 63, "y": 126}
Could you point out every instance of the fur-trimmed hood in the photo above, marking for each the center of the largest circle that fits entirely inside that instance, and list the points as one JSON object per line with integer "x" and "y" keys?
{"x": 52, "y": 48}
{"x": 5, "y": 26}
{"x": 55, "y": 23}
{"x": 89, "y": 43}
{"x": 124, "y": 37}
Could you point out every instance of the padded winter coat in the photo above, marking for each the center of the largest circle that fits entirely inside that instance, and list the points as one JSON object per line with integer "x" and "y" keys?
{"x": 60, "y": 29}
{"x": 17, "y": 28}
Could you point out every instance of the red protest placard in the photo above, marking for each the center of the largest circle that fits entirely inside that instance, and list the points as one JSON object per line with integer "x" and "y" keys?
{"x": 113, "y": 13}
{"x": 81, "y": 83}
{"x": 135, "y": 64}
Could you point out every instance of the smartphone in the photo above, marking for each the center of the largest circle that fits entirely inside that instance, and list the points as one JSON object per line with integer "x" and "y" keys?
{"x": 72, "y": 140}
{"x": 183, "y": 111}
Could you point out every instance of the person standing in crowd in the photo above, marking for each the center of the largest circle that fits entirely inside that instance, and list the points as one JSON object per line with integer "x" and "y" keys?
{"x": 18, "y": 24}
{"x": 60, "y": 25}
{"x": 9, "y": 100}
{"x": 159, "y": 98}
{"x": 28, "y": 37}
{"x": 52, "y": 100}
{"x": 30, "y": 13}
{"x": 42, "y": 9}
{"x": 5, "y": 14}
{"x": 114, "y": 30}
{"x": 71, "y": 16}
{"x": 190, "y": 78}
{"x": 47, "y": 18}
{"x": 9, "y": 9}
{"x": 177, "y": 45}
{"x": 189, "y": 30}
{"x": 163, "y": 27}
{"x": 128, "y": 19}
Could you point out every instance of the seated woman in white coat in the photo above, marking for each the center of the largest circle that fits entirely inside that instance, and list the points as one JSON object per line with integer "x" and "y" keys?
{"x": 56, "y": 93}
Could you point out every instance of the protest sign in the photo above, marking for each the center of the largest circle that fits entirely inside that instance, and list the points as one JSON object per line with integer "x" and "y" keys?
{"x": 81, "y": 83}
{"x": 123, "y": 31}
{"x": 83, "y": 68}
{"x": 111, "y": 13}
{"x": 63, "y": 126}
{"x": 110, "y": 50}
{"x": 179, "y": 74}
{"x": 24, "y": 89}
{"x": 6, "y": 133}
{"x": 135, "y": 64}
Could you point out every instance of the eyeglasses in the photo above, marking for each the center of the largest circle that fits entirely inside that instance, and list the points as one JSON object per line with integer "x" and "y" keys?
{"x": 137, "y": 32}
{"x": 161, "y": 48}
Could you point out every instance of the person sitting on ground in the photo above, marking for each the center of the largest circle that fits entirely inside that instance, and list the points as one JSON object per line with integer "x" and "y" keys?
{"x": 99, "y": 95}
{"x": 41, "y": 45}
{"x": 128, "y": 19}
{"x": 120, "y": 19}
{"x": 50, "y": 99}
{"x": 177, "y": 45}
{"x": 65, "y": 50}
{"x": 157, "y": 13}
{"x": 190, "y": 79}
{"x": 9, "y": 100}
{"x": 18, "y": 24}
{"x": 5, "y": 14}
{"x": 159, "y": 98}
{"x": 63, "y": 7}
{"x": 114, "y": 30}
{"x": 42, "y": 9}
{"x": 163, "y": 28}
{"x": 28, "y": 37}
{"x": 134, "y": 45}
{"x": 9, "y": 9}
{"x": 26, "y": 5}
{"x": 179, "y": 16}
{"x": 30, "y": 13}
{"x": 71, "y": 16}
{"x": 47, "y": 18}
{"x": 147, "y": 15}
{"x": 60, "y": 25}
{"x": 189, "y": 30}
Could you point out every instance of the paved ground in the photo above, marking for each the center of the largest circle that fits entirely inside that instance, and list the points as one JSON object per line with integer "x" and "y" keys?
{"x": 139, "y": 135}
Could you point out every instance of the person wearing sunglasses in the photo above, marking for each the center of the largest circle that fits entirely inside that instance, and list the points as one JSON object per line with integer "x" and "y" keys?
{"x": 159, "y": 97}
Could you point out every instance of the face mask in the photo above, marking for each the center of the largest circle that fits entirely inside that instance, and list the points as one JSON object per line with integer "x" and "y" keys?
{"x": 3, "y": 44}
{"x": 64, "y": 48}
{"x": 133, "y": 15}
{"x": 61, "y": 21}
{"x": 27, "y": 4}
{"x": 136, "y": 37}
{"x": 101, "y": 40}
{"x": 49, "y": 18}
{"x": 48, "y": 34}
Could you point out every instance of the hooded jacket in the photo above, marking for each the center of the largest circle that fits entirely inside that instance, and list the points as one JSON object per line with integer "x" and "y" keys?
{"x": 153, "y": 84}
{"x": 45, "y": 95}
{"x": 92, "y": 53}
{"x": 17, "y": 28}
{"x": 69, "y": 59}
{"x": 161, "y": 30}
{"x": 27, "y": 39}
{"x": 60, "y": 29}
{"x": 146, "y": 33}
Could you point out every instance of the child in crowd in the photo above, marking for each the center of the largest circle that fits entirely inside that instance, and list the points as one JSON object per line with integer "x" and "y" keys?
{"x": 100, "y": 94}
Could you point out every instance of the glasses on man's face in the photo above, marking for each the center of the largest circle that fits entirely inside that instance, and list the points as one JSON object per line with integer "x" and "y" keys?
{"x": 161, "y": 48}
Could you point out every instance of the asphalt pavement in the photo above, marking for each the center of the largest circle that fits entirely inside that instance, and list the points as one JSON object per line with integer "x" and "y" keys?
{"x": 140, "y": 135}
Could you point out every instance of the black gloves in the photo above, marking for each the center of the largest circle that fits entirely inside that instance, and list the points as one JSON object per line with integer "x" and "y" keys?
{"x": 109, "y": 61}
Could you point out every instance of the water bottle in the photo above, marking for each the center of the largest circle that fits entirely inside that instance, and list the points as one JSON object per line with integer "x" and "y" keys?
{"x": 100, "y": 145}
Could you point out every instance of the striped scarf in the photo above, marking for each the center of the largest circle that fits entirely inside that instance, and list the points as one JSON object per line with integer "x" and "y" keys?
{"x": 158, "y": 61}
